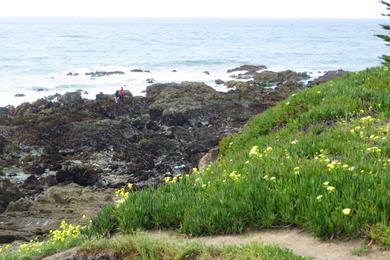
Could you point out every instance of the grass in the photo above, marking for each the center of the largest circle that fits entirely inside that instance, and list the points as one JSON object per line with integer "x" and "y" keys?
{"x": 319, "y": 161}
{"x": 361, "y": 251}
{"x": 141, "y": 246}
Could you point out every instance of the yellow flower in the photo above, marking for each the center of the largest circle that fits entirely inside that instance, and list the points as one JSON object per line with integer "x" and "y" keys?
{"x": 330, "y": 188}
{"x": 273, "y": 178}
{"x": 326, "y": 183}
{"x": 346, "y": 211}
{"x": 294, "y": 142}
{"x": 269, "y": 149}
{"x": 254, "y": 151}
{"x": 319, "y": 197}
{"x": 130, "y": 186}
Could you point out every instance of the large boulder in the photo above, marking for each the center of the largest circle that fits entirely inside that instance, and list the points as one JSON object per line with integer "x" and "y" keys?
{"x": 175, "y": 103}
{"x": 271, "y": 77}
{"x": 8, "y": 192}
{"x": 71, "y": 98}
{"x": 81, "y": 175}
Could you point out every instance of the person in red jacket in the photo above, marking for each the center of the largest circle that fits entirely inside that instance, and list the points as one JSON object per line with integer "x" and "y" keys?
{"x": 121, "y": 94}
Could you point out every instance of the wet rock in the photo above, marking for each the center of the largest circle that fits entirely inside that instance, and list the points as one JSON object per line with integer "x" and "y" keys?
{"x": 3, "y": 111}
{"x": 328, "y": 76}
{"x": 83, "y": 176}
{"x": 70, "y": 98}
{"x": 279, "y": 77}
{"x": 150, "y": 81}
{"x": 136, "y": 70}
{"x": 219, "y": 82}
{"x": 103, "y": 73}
{"x": 104, "y": 97}
{"x": 248, "y": 68}
{"x": 206, "y": 72}
{"x": 32, "y": 183}
{"x": 19, "y": 95}
{"x": 8, "y": 192}
{"x": 174, "y": 70}
{"x": 39, "y": 89}
{"x": 34, "y": 168}
{"x": 72, "y": 74}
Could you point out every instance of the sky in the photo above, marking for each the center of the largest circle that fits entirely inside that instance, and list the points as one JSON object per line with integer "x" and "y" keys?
{"x": 195, "y": 8}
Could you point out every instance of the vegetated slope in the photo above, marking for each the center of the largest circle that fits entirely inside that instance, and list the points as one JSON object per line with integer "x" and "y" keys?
{"x": 320, "y": 161}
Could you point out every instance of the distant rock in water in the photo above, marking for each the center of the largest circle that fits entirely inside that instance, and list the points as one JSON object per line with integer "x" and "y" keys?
{"x": 328, "y": 76}
{"x": 140, "y": 70}
{"x": 72, "y": 74}
{"x": 103, "y": 73}
{"x": 174, "y": 70}
{"x": 249, "y": 68}
{"x": 20, "y": 95}
{"x": 39, "y": 89}
{"x": 219, "y": 82}
{"x": 150, "y": 81}
{"x": 206, "y": 72}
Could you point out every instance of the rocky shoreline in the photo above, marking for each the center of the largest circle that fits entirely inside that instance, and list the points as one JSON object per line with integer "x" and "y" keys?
{"x": 63, "y": 158}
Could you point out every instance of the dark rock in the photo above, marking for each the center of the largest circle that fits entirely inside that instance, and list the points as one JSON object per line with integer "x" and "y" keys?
{"x": 32, "y": 183}
{"x": 78, "y": 174}
{"x": 20, "y": 95}
{"x": 39, "y": 89}
{"x": 206, "y": 72}
{"x": 103, "y": 73}
{"x": 71, "y": 98}
{"x": 249, "y": 68}
{"x": 72, "y": 74}
{"x": 8, "y": 192}
{"x": 104, "y": 97}
{"x": 34, "y": 168}
{"x": 150, "y": 81}
{"x": 279, "y": 77}
{"x": 48, "y": 181}
{"x": 219, "y": 82}
{"x": 3, "y": 111}
{"x": 174, "y": 70}
{"x": 328, "y": 76}
{"x": 136, "y": 70}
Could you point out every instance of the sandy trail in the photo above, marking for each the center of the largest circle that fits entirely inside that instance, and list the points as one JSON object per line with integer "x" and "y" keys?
{"x": 301, "y": 243}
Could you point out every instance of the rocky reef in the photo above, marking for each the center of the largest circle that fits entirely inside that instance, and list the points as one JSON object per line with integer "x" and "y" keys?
{"x": 62, "y": 159}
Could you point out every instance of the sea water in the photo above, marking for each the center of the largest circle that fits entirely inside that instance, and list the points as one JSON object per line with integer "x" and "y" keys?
{"x": 37, "y": 53}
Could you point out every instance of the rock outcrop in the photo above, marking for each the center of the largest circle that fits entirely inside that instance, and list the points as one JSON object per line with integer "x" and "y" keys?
{"x": 67, "y": 147}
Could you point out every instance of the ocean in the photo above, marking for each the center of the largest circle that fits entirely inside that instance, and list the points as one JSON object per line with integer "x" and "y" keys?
{"x": 36, "y": 54}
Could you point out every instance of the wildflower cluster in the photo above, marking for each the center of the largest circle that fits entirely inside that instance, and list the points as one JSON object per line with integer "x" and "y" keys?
{"x": 122, "y": 194}
{"x": 33, "y": 246}
{"x": 66, "y": 232}
{"x": 5, "y": 248}
{"x": 234, "y": 176}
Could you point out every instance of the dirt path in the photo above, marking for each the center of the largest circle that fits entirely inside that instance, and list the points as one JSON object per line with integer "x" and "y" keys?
{"x": 301, "y": 243}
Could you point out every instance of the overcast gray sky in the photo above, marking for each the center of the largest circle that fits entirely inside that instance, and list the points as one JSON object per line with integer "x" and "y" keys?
{"x": 194, "y": 8}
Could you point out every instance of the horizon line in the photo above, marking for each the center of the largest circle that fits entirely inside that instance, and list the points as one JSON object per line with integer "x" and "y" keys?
{"x": 194, "y": 17}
